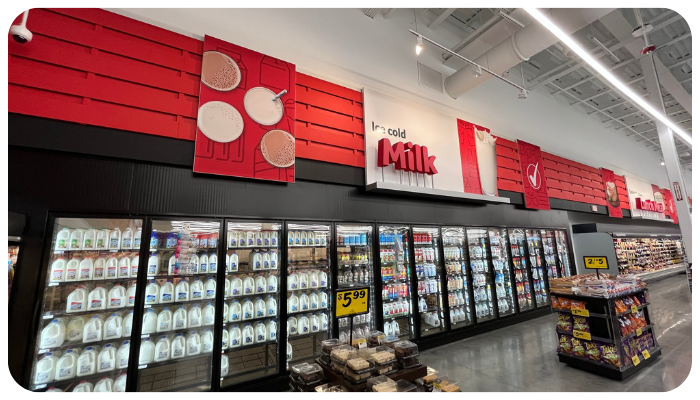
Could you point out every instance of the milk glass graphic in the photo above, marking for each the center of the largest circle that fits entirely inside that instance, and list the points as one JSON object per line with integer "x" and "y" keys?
{"x": 486, "y": 159}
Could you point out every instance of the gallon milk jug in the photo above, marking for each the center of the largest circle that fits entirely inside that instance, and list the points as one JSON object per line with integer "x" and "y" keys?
{"x": 235, "y": 311}
{"x": 323, "y": 300}
{"x": 395, "y": 327}
{"x": 266, "y": 260}
{"x": 77, "y": 300}
{"x": 387, "y": 328}
{"x": 224, "y": 340}
{"x": 172, "y": 266}
{"x": 314, "y": 279}
{"x": 194, "y": 264}
{"x": 131, "y": 295}
{"x": 196, "y": 290}
{"x": 257, "y": 261}
{"x": 83, "y": 387}
{"x": 104, "y": 385}
{"x": 53, "y": 335}
{"x": 134, "y": 271}
{"x": 248, "y": 310}
{"x": 67, "y": 365}
{"x": 289, "y": 351}
{"x": 74, "y": 329}
{"x": 234, "y": 335}
{"x": 127, "y": 323}
{"x": 213, "y": 263}
{"x": 248, "y": 335}
{"x": 86, "y": 269}
{"x": 304, "y": 238}
{"x": 152, "y": 291}
{"x": 273, "y": 238}
{"x": 182, "y": 291}
{"x": 76, "y": 239}
{"x": 102, "y": 239}
{"x": 58, "y": 270}
{"x": 207, "y": 341}
{"x": 117, "y": 297}
{"x": 315, "y": 323}
{"x": 303, "y": 325}
{"x": 292, "y": 326}
{"x": 112, "y": 268}
{"x": 123, "y": 355}
{"x": 260, "y": 332}
{"x": 137, "y": 239}
{"x": 226, "y": 312}
{"x": 45, "y": 369}
{"x": 208, "y": 313}
{"x": 210, "y": 288}
{"x": 147, "y": 351}
{"x": 177, "y": 346}
{"x": 113, "y": 328}
{"x": 194, "y": 317}
{"x": 322, "y": 279}
{"x": 271, "y": 328}
{"x": 115, "y": 237}
{"x": 166, "y": 292}
{"x": 236, "y": 286}
{"x": 324, "y": 322}
{"x": 303, "y": 280}
{"x": 233, "y": 262}
{"x": 150, "y": 321}
{"x": 124, "y": 267}
{"x": 304, "y": 302}
{"x": 97, "y": 299}
{"x": 165, "y": 321}
{"x": 194, "y": 344}
{"x": 232, "y": 239}
{"x": 62, "y": 239}
{"x": 260, "y": 284}
{"x": 224, "y": 366}
{"x": 162, "y": 350}
{"x": 273, "y": 259}
{"x": 72, "y": 268}
{"x": 107, "y": 359}
{"x": 87, "y": 362}
{"x": 99, "y": 268}
{"x": 259, "y": 239}
{"x": 120, "y": 383}
{"x": 260, "y": 307}
{"x": 293, "y": 303}
{"x": 248, "y": 285}
{"x": 180, "y": 318}
{"x": 313, "y": 301}
{"x": 92, "y": 332}
{"x": 203, "y": 263}
{"x": 266, "y": 238}
{"x": 227, "y": 287}
{"x": 272, "y": 284}
{"x": 271, "y": 306}
{"x": 250, "y": 238}
{"x": 293, "y": 282}
{"x": 152, "y": 268}
{"x": 127, "y": 239}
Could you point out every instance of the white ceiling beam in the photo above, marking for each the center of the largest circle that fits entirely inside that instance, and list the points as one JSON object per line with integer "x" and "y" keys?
{"x": 440, "y": 18}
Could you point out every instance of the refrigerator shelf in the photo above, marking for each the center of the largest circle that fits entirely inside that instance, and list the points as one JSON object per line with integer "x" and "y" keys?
{"x": 391, "y": 317}
{"x": 306, "y": 289}
{"x": 174, "y": 360}
{"x": 353, "y": 325}
{"x": 110, "y": 280}
{"x": 174, "y": 249}
{"x": 227, "y": 298}
{"x": 424, "y": 278}
{"x": 353, "y": 245}
{"x": 176, "y": 331}
{"x": 425, "y": 244}
{"x": 247, "y": 347}
{"x": 68, "y": 345}
{"x": 59, "y": 314}
{"x": 251, "y": 247}
{"x": 294, "y": 246}
{"x": 290, "y": 314}
{"x": 194, "y": 275}
{"x": 393, "y": 280}
{"x": 96, "y": 251}
{"x": 247, "y": 321}
{"x": 306, "y": 335}
{"x": 432, "y": 309}
{"x": 252, "y": 271}
{"x": 179, "y": 303}
{"x": 428, "y": 294}
{"x": 78, "y": 379}
{"x": 398, "y": 298}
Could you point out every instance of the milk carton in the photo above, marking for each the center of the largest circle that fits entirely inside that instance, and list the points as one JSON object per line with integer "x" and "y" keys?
{"x": 182, "y": 291}
{"x": 271, "y": 329}
{"x": 248, "y": 285}
{"x": 203, "y": 263}
{"x": 260, "y": 308}
{"x": 123, "y": 355}
{"x": 107, "y": 359}
{"x": 113, "y": 328}
{"x": 72, "y": 268}
{"x": 271, "y": 305}
{"x": 131, "y": 295}
{"x": 172, "y": 265}
{"x": 196, "y": 290}
{"x": 82, "y": 387}
{"x": 292, "y": 326}
{"x": 213, "y": 261}
{"x": 102, "y": 239}
{"x": 260, "y": 332}
{"x": 86, "y": 269}
{"x": 293, "y": 303}
{"x": 92, "y": 332}
{"x": 304, "y": 302}
{"x": 233, "y": 262}
{"x": 194, "y": 344}
{"x": 210, "y": 288}
{"x": 234, "y": 334}
{"x": 99, "y": 268}
{"x": 137, "y": 239}
{"x": 235, "y": 311}
{"x": 260, "y": 284}
{"x": 97, "y": 299}
{"x": 194, "y": 316}
{"x": 74, "y": 329}
{"x": 58, "y": 270}
{"x": 120, "y": 383}
{"x": 165, "y": 321}
{"x": 147, "y": 351}
{"x": 224, "y": 340}
{"x": 236, "y": 286}
{"x": 76, "y": 239}
{"x": 112, "y": 267}
{"x": 272, "y": 284}
{"x": 180, "y": 318}
{"x": 208, "y": 314}
{"x": 115, "y": 237}
{"x": 87, "y": 362}
{"x": 224, "y": 365}
{"x": 128, "y": 239}
{"x": 117, "y": 297}
{"x": 166, "y": 292}
{"x": 77, "y": 300}
{"x": 248, "y": 335}
{"x": 207, "y": 341}
{"x": 150, "y": 321}
{"x": 153, "y": 262}
{"x": 45, "y": 369}
{"x": 66, "y": 366}
{"x": 162, "y": 349}
{"x": 62, "y": 240}
{"x": 128, "y": 323}
{"x": 134, "y": 272}
{"x": 248, "y": 310}
{"x": 152, "y": 292}
{"x": 177, "y": 346}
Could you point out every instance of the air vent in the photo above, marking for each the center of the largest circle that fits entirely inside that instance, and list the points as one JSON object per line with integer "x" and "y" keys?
{"x": 429, "y": 78}
{"x": 372, "y": 12}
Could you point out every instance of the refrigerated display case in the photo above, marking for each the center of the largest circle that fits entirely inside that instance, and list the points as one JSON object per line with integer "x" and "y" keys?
{"x": 428, "y": 270}
{"x": 252, "y": 285}
{"x": 482, "y": 274}
{"x": 397, "y": 301}
{"x": 537, "y": 268}
{"x": 177, "y": 335}
{"x": 563, "y": 253}
{"x": 308, "y": 278}
{"x": 355, "y": 267}
{"x": 500, "y": 261}
{"x": 85, "y": 330}
{"x": 521, "y": 272}
{"x": 549, "y": 252}
{"x": 457, "y": 273}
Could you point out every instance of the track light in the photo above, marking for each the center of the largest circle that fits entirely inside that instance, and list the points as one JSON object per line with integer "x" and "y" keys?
{"x": 419, "y": 45}
{"x": 478, "y": 71}
{"x": 662, "y": 162}
{"x": 522, "y": 95}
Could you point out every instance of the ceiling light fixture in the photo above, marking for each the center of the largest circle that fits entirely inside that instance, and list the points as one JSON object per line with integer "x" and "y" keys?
{"x": 419, "y": 45}
{"x": 662, "y": 162}
{"x": 605, "y": 73}
{"x": 478, "y": 71}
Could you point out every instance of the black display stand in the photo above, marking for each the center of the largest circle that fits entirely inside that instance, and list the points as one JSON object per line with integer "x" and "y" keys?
{"x": 605, "y": 329}
{"x": 410, "y": 374}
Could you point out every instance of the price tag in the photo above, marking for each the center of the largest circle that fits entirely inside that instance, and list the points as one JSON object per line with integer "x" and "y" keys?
{"x": 142, "y": 366}
{"x": 361, "y": 343}
{"x": 582, "y": 335}
{"x": 596, "y": 262}
{"x": 39, "y": 386}
{"x": 53, "y": 284}
{"x": 47, "y": 316}
{"x": 634, "y": 309}
{"x": 639, "y": 331}
{"x": 635, "y": 360}
{"x": 350, "y": 302}
{"x": 646, "y": 354}
{"x": 582, "y": 313}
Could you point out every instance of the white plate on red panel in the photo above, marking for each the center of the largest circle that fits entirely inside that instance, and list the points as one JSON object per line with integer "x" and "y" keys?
{"x": 220, "y": 121}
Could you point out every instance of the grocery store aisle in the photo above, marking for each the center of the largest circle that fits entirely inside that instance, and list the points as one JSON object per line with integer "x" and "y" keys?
{"x": 523, "y": 357}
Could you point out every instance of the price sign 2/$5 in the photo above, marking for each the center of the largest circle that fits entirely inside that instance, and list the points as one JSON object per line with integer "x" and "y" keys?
{"x": 351, "y": 302}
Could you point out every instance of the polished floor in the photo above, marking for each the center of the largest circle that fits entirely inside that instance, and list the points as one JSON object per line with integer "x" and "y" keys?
{"x": 523, "y": 357}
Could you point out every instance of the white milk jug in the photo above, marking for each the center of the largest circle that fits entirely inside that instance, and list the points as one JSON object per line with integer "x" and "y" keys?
{"x": 303, "y": 302}
{"x": 113, "y": 328}
{"x": 153, "y": 262}
{"x": 324, "y": 322}
{"x": 233, "y": 262}
{"x": 293, "y": 303}
{"x": 77, "y": 300}
{"x": 303, "y": 325}
{"x": 271, "y": 329}
{"x": 162, "y": 350}
{"x": 182, "y": 291}
{"x": 76, "y": 239}
{"x": 260, "y": 332}
{"x": 232, "y": 239}
{"x": 273, "y": 238}
{"x": 72, "y": 268}
{"x": 272, "y": 284}
{"x": 131, "y": 295}
{"x": 177, "y": 346}
{"x": 165, "y": 320}
{"x": 194, "y": 344}
{"x": 395, "y": 327}
{"x": 322, "y": 279}
{"x": 62, "y": 239}
{"x": 150, "y": 321}
{"x": 137, "y": 239}
{"x": 123, "y": 355}
{"x": 271, "y": 306}
{"x": 102, "y": 239}
{"x": 227, "y": 287}
{"x": 224, "y": 365}
{"x": 248, "y": 285}
{"x": 180, "y": 318}
{"x": 250, "y": 239}
{"x": 313, "y": 301}
{"x": 166, "y": 292}
{"x": 213, "y": 263}
{"x": 248, "y": 335}
{"x": 89, "y": 239}
{"x": 203, "y": 263}
{"x": 207, "y": 341}
{"x": 257, "y": 261}
{"x": 289, "y": 351}
{"x": 128, "y": 323}
{"x": 236, "y": 286}
{"x": 120, "y": 383}
{"x": 194, "y": 317}
{"x": 172, "y": 265}
{"x": 107, "y": 359}
{"x": 124, "y": 267}
{"x": 147, "y": 351}
{"x": 292, "y": 326}
{"x": 208, "y": 314}
{"x": 74, "y": 329}
{"x": 260, "y": 308}
{"x": 134, "y": 271}
{"x": 303, "y": 280}
{"x": 259, "y": 239}
{"x": 266, "y": 238}
{"x": 293, "y": 282}
{"x": 97, "y": 299}
{"x": 234, "y": 334}
{"x": 67, "y": 366}
{"x": 128, "y": 239}
{"x": 210, "y": 289}
{"x": 273, "y": 259}
{"x": 226, "y": 313}
{"x": 224, "y": 340}
{"x": 83, "y": 387}
{"x": 196, "y": 290}
{"x": 92, "y": 332}
{"x": 304, "y": 238}
{"x": 99, "y": 269}
{"x": 45, "y": 369}
{"x": 260, "y": 284}
{"x": 248, "y": 310}
{"x": 58, "y": 270}
{"x": 266, "y": 260}
{"x": 152, "y": 291}
{"x": 115, "y": 237}
{"x": 53, "y": 335}
{"x": 117, "y": 297}
{"x": 314, "y": 279}
{"x": 315, "y": 323}
{"x": 112, "y": 268}
{"x": 104, "y": 385}
{"x": 235, "y": 311}
{"x": 87, "y": 362}
{"x": 86, "y": 269}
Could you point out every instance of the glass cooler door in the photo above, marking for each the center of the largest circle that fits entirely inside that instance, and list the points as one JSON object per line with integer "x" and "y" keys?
{"x": 563, "y": 253}
{"x": 455, "y": 256}
{"x": 428, "y": 270}
{"x": 308, "y": 285}
{"x": 177, "y": 332}
{"x": 396, "y": 281}
{"x": 498, "y": 237}
{"x": 550, "y": 257}
{"x": 522, "y": 273}
{"x": 482, "y": 275}
{"x": 85, "y": 331}
{"x": 534, "y": 250}
{"x": 355, "y": 267}
{"x": 251, "y": 302}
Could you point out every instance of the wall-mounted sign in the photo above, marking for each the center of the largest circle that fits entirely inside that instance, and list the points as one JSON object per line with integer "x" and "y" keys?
{"x": 600, "y": 262}
{"x": 407, "y": 157}
{"x": 643, "y": 198}
{"x": 534, "y": 183}
{"x": 677, "y": 191}
{"x": 648, "y": 205}
{"x": 611, "y": 194}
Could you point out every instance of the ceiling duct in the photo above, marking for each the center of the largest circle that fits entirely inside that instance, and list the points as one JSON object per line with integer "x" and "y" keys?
{"x": 519, "y": 47}
{"x": 372, "y": 12}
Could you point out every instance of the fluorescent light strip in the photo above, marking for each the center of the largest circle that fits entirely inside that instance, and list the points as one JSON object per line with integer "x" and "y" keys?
{"x": 581, "y": 52}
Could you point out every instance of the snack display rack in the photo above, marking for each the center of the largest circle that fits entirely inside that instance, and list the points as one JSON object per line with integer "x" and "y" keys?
{"x": 642, "y": 255}
{"x": 613, "y": 337}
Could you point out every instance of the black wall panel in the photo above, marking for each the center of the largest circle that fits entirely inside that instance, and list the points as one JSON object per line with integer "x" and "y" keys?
{"x": 601, "y": 223}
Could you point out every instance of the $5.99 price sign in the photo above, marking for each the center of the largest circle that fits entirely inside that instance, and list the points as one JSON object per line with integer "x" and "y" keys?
{"x": 353, "y": 301}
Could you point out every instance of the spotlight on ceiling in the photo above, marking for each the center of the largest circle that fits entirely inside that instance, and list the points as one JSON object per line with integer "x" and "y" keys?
{"x": 419, "y": 45}
{"x": 522, "y": 95}
{"x": 478, "y": 71}
{"x": 662, "y": 162}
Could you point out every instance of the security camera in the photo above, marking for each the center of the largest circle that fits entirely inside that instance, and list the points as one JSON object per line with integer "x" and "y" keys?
{"x": 20, "y": 32}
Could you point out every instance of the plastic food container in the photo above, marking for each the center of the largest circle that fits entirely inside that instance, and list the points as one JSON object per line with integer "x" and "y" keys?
{"x": 325, "y": 359}
{"x": 342, "y": 353}
{"x": 405, "y": 386}
{"x": 383, "y": 357}
{"x": 380, "y": 384}
{"x": 386, "y": 369}
{"x": 390, "y": 341}
{"x": 295, "y": 369}
{"x": 328, "y": 345}
{"x": 409, "y": 362}
{"x": 376, "y": 338}
{"x": 308, "y": 387}
{"x": 357, "y": 377}
{"x": 330, "y": 387}
{"x": 310, "y": 373}
{"x": 405, "y": 348}
{"x": 338, "y": 367}
{"x": 446, "y": 385}
{"x": 359, "y": 364}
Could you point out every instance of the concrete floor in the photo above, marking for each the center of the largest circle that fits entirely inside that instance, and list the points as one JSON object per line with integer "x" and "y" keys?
{"x": 523, "y": 357}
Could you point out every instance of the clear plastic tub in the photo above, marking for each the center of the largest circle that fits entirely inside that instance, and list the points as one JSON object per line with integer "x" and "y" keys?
{"x": 390, "y": 341}
{"x": 311, "y": 373}
{"x": 359, "y": 365}
{"x": 376, "y": 338}
{"x": 295, "y": 369}
{"x": 328, "y": 345}
{"x": 405, "y": 348}
{"x": 357, "y": 377}
{"x": 386, "y": 369}
{"x": 342, "y": 353}
{"x": 385, "y": 384}
{"x": 445, "y": 384}
{"x": 338, "y": 367}
{"x": 403, "y": 386}
{"x": 383, "y": 357}
{"x": 325, "y": 359}
{"x": 409, "y": 362}
{"x": 330, "y": 387}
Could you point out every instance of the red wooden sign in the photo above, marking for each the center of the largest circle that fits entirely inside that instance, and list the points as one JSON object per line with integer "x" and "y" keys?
{"x": 407, "y": 157}
{"x": 534, "y": 182}
{"x": 670, "y": 205}
{"x": 611, "y": 193}
{"x": 467, "y": 151}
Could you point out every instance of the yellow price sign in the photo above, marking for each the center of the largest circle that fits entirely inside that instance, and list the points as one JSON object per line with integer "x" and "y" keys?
{"x": 582, "y": 335}
{"x": 646, "y": 354}
{"x": 596, "y": 262}
{"x": 580, "y": 313}
{"x": 635, "y": 360}
{"x": 634, "y": 309}
{"x": 639, "y": 331}
{"x": 353, "y": 301}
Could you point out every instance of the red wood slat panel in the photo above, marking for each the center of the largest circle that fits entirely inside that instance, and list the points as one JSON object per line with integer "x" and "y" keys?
{"x": 575, "y": 180}
{"x": 624, "y": 198}
{"x": 332, "y": 137}
{"x": 505, "y": 184}
{"x": 509, "y": 174}
{"x": 579, "y": 197}
{"x": 565, "y": 186}
{"x": 332, "y": 88}
{"x": 328, "y": 118}
{"x": 507, "y": 143}
{"x": 624, "y": 205}
{"x": 507, "y": 163}
{"x": 507, "y": 152}
{"x": 550, "y": 173}
{"x": 331, "y": 154}
{"x": 622, "y": 192}
{"x": 550, "y": 164}
{"x": 599, "y": 193}
{"x": 567, "y": 195}
{"x": 553, "y": 192}
{"x": 554, "y": 183}
{"x": 325, "y": 101}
